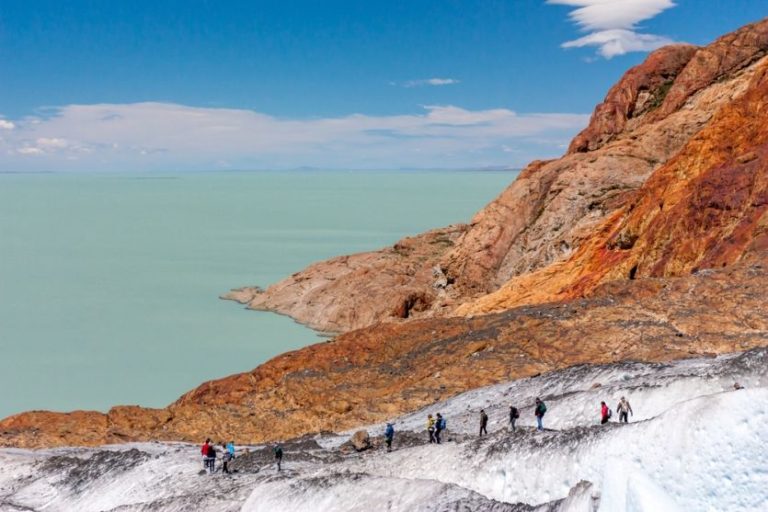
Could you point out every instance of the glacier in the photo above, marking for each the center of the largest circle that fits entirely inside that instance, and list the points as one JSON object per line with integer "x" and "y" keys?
{"x": 695, "y": 443}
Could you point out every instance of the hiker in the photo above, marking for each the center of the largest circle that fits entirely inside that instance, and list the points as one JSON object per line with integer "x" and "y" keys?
{"x": 605, "y": 413}
{"x": 737, "y": 386}
{"x": 623, "y": 409}
{"x": 439, "y": 427}
{"x": 212, "y": 458}
{"x": 389, "y": 435}
{"x": 204, "y": 451}
{"x": 539, "y": 411}
{"x": 483, "y": 422}
{"x": 225, "y": 458}
{"x": 513, "y": 415}
{"x": 231, "y": 449}
{"x": 278, "y": 449}
{"x": 431, "y": 428}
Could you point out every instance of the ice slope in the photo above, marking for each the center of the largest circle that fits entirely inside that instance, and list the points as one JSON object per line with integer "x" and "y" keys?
{"x": 706, "y": 453}
{"x": 694, "y": 444}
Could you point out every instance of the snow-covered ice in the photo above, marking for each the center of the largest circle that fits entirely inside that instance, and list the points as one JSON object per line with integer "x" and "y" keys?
{"x": 694, "y": 444}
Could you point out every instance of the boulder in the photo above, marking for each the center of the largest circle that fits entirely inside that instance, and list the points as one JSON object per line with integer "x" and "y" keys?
{"x": 361, "y": 440}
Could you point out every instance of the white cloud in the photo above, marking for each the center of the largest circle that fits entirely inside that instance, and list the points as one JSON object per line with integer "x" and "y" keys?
{"x": 26, "y": 150}
{"x": 51, "y": 143}
{"x": 429, "y": 81}
{"x": 613, "y": 24}
{"x": 6, "y": 125}
{"x": 171, "y": 136}
{"x": 611, "y": 43}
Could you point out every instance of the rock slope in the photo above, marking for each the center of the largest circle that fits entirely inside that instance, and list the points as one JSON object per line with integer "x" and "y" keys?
{"x": 550, "y": 210}
{"x": 705, "y": 208}
{"x": 371, "y": 374}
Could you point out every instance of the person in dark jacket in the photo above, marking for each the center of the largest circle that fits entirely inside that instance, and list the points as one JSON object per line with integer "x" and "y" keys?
{"x": 439, "y": 427}
{"x": 540, "y": 410}
{"x": 212, "y": 458}
{"x": 278, "y": 449}
{"x": 389, "y": 435}
{"x": 513, "y": 415}
{"x": 483, "y": 422}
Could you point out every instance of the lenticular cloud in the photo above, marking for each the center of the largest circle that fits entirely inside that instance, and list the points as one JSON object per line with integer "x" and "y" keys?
{"x": 612, "y": 24}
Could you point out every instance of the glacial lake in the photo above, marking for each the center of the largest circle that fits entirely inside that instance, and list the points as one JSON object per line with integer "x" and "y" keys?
{"x": 109, "y": 283}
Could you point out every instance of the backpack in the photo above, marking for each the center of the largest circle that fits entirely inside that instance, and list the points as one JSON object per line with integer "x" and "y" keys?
{"x": 610, "y": 413}
{"x": 515, "y": 413}
{"x": 542, "y": 408}
{"x": 441, "y": 425}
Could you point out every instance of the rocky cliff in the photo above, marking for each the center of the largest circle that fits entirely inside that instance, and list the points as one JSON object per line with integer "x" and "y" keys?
{"x": 545, "y": 216}
{"x": 647, "y": 241}
{"x": 704, "y": 208}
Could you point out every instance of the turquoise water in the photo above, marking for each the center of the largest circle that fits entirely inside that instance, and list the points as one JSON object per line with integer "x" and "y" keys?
{"x": 109, "y": 283}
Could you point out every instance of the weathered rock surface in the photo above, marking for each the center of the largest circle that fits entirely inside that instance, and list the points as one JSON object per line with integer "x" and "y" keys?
{"x": 640, "y": 90}
{"x": 361, "y": 440}
{"x": 354, "y": 291}
{"x": 705, "y": 208}
{"x": 546, "y": 215}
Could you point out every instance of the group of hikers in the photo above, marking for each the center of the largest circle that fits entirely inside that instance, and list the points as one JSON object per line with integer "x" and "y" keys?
{"x": 623, "y": 408}
{"x": 208, "y": 450}
{"x": 209, "y": 453}
{"x": 437, "y": 425}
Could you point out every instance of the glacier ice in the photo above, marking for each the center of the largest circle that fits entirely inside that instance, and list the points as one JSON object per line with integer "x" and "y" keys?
{"x": 694, "y": 444}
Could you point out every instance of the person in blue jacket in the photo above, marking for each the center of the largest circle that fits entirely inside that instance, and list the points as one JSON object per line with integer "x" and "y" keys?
{"x": 389, "y": 435}
{"x": 439, "y": 427}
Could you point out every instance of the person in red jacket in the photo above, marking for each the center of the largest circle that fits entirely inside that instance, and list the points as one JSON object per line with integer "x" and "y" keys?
{"x": 605, "y": 413}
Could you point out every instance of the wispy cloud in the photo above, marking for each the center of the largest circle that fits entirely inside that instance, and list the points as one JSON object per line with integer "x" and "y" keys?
{"x": 172, "y": 136}
{"x": 6, "y": 125}
{"x": 437, "y": 82}
{"x": 613, "y": 25}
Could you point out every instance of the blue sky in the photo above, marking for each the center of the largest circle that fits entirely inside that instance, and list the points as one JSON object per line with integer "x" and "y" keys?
{"x": 172, "y": 85}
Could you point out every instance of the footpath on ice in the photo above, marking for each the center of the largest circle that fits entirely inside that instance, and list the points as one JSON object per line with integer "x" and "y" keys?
{"x": 694, "y": 443}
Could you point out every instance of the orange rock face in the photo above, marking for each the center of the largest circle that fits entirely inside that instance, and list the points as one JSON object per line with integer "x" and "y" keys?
{"x": 647, "y": 241}
{"x": 547, "y": 214}
{"x": 705, "y": 208}
{"x": 640, "y": 90}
